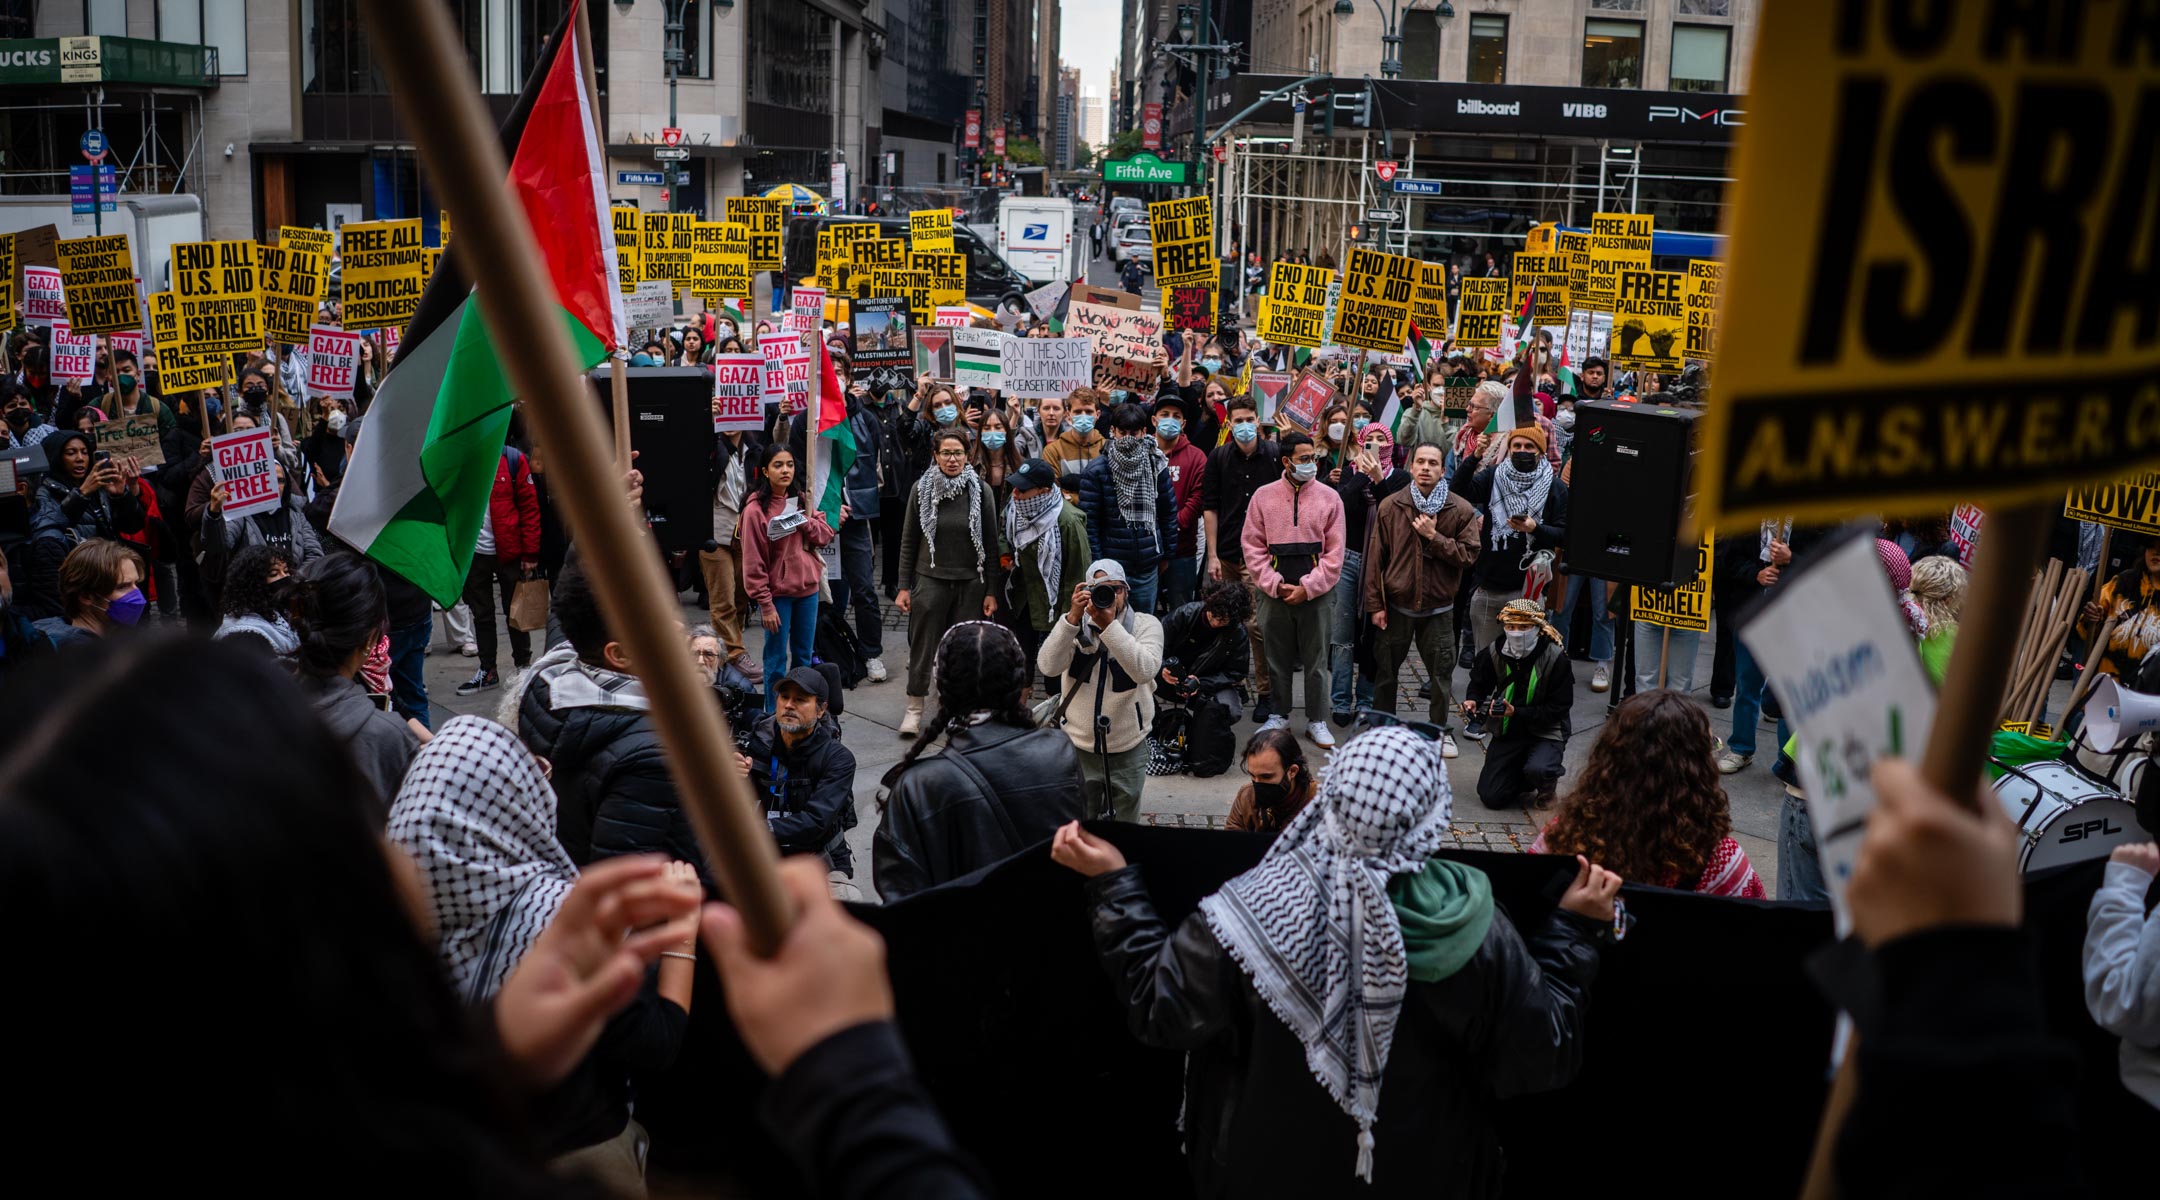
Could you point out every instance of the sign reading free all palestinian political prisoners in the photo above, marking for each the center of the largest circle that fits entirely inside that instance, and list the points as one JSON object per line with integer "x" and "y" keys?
{"x": 99, "y": 275}
{"x": 1048, "y": 368}
{"x": 1618, "y": 242}
{"x": 1374, "y": 311}
{"x": 1547, "y": 276}
{"x": 1294, "y": 311}
{"x": 1933, "y": 318}
{"x": 1184, "y": 241}
{"x": 2131, "y": 503}
{"x": 930, "y": 229}
{"x": 1128, "y": 344}
{"x": 629, "y": 228}
{"x": 383, "y": 268}
{"x": 219, "y": 285}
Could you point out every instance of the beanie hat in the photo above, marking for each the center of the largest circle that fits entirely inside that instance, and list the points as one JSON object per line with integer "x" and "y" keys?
{"x": 1894, "y": 564}
{"x": 1535, "y": 433}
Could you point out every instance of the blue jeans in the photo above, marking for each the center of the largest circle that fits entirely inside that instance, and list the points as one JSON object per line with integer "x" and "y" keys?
{"x": 1601, "y": 622}
{"x": 858, "y": 579}
{"x": 1182, "y": 585}
{"x": 1346, "y": 691}
{"x": 1143, "y": 583}
{"x": 408, "y": 675}
{"x": 1799, "y": 861}
{"x": 1679, "y": 656}
{"x": 795, "y": 638}
{"x": 1748, "y": 687}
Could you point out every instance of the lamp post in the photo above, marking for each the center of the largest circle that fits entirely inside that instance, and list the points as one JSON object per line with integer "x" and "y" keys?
{"x": 1390, "y": 31}
{"x": 672, "y": 54}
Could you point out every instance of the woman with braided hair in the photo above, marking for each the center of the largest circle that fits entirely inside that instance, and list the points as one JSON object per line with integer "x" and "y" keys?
{"x": 999, "y": 786}
{"x": 949, "y": 559}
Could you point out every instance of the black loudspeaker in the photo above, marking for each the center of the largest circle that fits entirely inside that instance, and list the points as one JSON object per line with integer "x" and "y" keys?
{"x": 1632, "y": 486}
{"x": 671, "y": 430}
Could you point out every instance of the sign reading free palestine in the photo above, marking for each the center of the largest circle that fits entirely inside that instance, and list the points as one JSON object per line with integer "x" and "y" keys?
{"x": 1142, "y": 168}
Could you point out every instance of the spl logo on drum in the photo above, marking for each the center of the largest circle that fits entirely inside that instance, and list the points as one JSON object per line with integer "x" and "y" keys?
{"x": 2089, "y": 829}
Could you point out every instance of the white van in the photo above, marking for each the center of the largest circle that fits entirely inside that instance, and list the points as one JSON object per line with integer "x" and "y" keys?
{"x": 1036, "y": 234}
{"x": 153, "y": 222}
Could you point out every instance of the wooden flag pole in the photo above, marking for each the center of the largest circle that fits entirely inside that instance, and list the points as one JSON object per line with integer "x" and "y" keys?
{"x": 439, "y": 103}
{"x": 618, "y": 377}
{"x": 1965, "y": 715}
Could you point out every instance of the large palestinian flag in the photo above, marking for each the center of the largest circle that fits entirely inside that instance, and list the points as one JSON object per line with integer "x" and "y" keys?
{"x": 418, "y": 484}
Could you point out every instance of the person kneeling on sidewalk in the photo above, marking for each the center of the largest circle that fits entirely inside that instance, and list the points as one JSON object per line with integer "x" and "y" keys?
{"x": 1523, "y": 684}
{"x": 1107, "y": 657}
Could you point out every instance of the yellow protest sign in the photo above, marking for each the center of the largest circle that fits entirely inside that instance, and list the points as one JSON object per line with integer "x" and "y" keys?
{"x": 1703, "y": 278}
{"x": 850, "y": 232}
{"x": 867, "y": 255}
{"x": 1482, "y": 313}
{"x": 2131, "y": 503}
{"x": 1294, "y": 311}
{"x": 383, "y": 271}
{"x": 292, "y": 291}
{"x": 1574, "y": 245}
{"x": 765, "y": 219}
{"x": 665, "y": 246}
{"x": 720, "y": 260}
{"x": 930, "y": 229}
{"x": 1373, "y": 312}
{"x": 219, "y": 285}
{"x": 300, "y": 237}
{"x": 1547, "y": 274}
{"x": 1684, "y": 606}
{"x": 946, "y": 274}
{"x": 629, "y": 226}
{"x": 7, "y": 281}
{"x": 1649, "y": 322}
{"x": 1958, "y": 304}
{"x": 1428, "y": 305}
{"x": 1184, "y": 242}
{"x": 907, "y": 283}
{"x": 99, "y": 275}
{"x": 1618, "y": 242}
{"x": 178, "y": 370}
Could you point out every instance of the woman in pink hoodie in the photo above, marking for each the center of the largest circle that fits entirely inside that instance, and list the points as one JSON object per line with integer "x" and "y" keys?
{"x": 781, "y": 534}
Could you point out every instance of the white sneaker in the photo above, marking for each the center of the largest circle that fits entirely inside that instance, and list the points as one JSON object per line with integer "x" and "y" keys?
{"x": 469, "y": 650}
{"x": 1321, "y": 735}
{"x": 1729, "y": 763}
{"x": 1274, "y": 722}
{"x": 1447, "y": 746}
{"x": 911, "y": 721}
{"x": 1600, "y": 677}
{"x": 876, "y": 668}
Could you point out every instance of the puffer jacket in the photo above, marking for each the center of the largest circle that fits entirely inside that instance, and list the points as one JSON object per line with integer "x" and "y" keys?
{"x": 1220, "y": 658}
{"x": 1508, "y": 1023}
{"x": 61, "y": 517}
{"x": 807, "y": 790}
{"x": 1138, "y": 546}
{"x": 612, "y": 791}
{"x": 940, "y": 824}
{"x": 877, "y": 460}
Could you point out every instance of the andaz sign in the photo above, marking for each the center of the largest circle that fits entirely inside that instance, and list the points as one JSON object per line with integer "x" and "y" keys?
{"x": 1727, "y": 117}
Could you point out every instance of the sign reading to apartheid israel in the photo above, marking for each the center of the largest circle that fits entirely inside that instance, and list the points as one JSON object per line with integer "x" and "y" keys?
{"x": 218, "y": 285}
{"x": 1374, "y": 311}
{"x": 1684, "y": 606}
{"x": 1941, "y": 260}
{"x": 292, "y": 291}
{"x": 668, "y": 246}
{"x": 1294, "y": 311}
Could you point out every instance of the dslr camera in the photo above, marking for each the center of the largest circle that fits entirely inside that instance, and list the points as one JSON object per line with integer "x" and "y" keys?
{"x": 1103, "y": 595}
{"x": 1492, "y": 708}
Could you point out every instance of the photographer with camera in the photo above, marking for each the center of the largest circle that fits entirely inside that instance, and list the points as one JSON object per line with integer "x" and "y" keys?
{"x": 1203, "y": 679}
{"x": 1108, "y": 657}
{"x": 1520, "y": 687}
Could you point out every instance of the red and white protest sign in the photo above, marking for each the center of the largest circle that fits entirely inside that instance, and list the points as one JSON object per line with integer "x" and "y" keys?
{"x": 956, "y": 316}
{"x": 738, "y": 392}
{"x": 1965, "y": 522}
{"x": 74, "y": 356}
{"x": 391, "y": 336}
{"x": 333, "y": 355}
{"x": 806, "y": 309}
{"x": 787, "y": 371}
{"x": 244, "y": 464}
{"x": 130, "y": 342}
{"x": 44, "y": 296}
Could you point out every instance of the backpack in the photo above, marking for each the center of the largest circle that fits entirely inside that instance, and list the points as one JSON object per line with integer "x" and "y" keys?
{"x": 836, "y": 644}
{"x": 1210, "y": 740}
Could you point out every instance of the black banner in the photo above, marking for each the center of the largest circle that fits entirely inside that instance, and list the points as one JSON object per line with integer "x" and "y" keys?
{"x": 1429, "y": 106}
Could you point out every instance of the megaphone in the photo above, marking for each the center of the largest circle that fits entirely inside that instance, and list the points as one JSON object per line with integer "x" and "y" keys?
{"x": 2116, "y": 715}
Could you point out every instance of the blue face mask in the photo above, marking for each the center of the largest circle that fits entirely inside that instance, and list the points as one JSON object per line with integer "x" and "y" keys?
{"x": 1213, "y": 365}
{"x": 1119, "y": 395}
{"x": 946, "y": 414}
{"x": 993, "y": 439}
{"x": 1245, "y": 431}
{"x": 1169, "y": 427}
{"x": 1304, "y": 472}
{"x": 1360, "y": 422}
{"x": 1083, "y": 424}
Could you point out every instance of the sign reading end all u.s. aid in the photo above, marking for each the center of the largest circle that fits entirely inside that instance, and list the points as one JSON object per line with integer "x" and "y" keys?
{"x": 1943, "y": 276}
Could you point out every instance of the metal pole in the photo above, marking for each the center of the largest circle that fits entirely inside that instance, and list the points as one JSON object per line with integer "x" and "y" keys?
{"x": 673, "y": 55}
{"x": 1199, "y": 112}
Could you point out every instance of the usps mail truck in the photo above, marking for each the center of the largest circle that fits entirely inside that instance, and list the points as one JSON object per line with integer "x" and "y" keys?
{"x": 1039, "y": 236}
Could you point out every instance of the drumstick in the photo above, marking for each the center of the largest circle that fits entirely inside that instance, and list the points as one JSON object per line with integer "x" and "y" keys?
{"x": 2020, "y": 655}
{"x": 2072, "y": 598}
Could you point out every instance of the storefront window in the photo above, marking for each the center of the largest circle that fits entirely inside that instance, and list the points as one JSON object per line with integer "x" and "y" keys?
{"x": 1488, "y": 49}
{"x": 1700, "y": 54}
{"x": 1420, "y": 47}
{"x": 1612, "y": 54}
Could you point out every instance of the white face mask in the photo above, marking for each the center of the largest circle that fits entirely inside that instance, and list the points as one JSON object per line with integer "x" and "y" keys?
{"x": 1335, "y": 431}
{"x": 1516, "y": 643}
{"x": 336, "y": 420}
{"x": 1565, "y": 419}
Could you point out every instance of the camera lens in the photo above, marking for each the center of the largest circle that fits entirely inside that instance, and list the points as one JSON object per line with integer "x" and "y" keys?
{"x": 1103, "y": 595}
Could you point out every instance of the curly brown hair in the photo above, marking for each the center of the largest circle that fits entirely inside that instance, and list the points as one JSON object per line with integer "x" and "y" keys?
{"x": 1649, "y": 803}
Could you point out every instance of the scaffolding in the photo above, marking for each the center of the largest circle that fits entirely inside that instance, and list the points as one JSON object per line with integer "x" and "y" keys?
{"x": 167, "y": 141}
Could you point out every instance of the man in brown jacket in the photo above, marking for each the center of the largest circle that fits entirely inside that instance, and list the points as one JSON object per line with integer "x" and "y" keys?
{"x": 1416, "y": 549}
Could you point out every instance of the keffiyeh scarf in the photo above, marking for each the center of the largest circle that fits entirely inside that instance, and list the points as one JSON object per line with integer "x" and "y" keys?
{"x": 1774, "y": 531}
{"x": 1135, "y": 464}
{"x": 1034, "y": 522}
{"x": 935, "y": 488}
{"x": 1517, "y": 494}
{"x": 1313, "y": 928}
{"x": 1429, "y": 505}
{"x": 478, "y": 819}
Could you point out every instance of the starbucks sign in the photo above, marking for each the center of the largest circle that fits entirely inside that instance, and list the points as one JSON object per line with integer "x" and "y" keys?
{"x": 1142, "y": 168}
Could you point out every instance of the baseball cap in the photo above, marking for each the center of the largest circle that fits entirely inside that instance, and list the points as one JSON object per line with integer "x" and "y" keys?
{"x": 1032, "y": 474}
{"x": 810, "y": 680}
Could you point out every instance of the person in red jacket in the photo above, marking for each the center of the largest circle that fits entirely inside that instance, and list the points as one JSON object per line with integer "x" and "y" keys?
{"x": 508, "y": 551}
{"x": 1181, "y": 569}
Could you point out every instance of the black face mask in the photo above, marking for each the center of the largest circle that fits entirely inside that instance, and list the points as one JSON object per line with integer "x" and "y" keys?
{"x": 20, "y": 417}
{"x": 1524, "y": 460}
{"x": 1273, "y": 795}
{"x": 253, "y": 397}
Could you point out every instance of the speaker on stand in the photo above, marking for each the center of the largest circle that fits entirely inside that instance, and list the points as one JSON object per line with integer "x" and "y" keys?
{"x": 1630, "y": 490}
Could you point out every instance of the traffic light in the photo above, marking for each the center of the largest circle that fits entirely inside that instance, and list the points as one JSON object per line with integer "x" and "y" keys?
{"x": 1327, "y": 118}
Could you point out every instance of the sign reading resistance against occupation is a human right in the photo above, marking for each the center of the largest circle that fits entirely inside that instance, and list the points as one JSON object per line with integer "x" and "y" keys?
{"x": 1939, "y": 280}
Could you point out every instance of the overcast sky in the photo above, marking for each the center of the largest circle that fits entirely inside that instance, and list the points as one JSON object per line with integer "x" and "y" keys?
{"x": 1088, "y": 33}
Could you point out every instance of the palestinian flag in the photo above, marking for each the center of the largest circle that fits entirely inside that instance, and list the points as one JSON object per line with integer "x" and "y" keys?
{"x": 978, "y": 357}
{"x": 421, "y": 473}
{"x": 1522, "y": 319}
{"x": 1419, "y": 348}
{"x": 829, "y": 470}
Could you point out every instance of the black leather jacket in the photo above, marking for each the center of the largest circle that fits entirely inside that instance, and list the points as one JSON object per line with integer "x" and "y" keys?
{"x": 1256, "y": 1122}
{"x": 613, "y": 794}
{"x": 939, "y": 824}
{"x": 1219, "y": 657}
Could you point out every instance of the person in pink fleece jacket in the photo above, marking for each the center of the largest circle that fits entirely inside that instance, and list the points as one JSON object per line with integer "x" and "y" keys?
{"x": 1293, "y": 543}
{"x": 781, "y": 568}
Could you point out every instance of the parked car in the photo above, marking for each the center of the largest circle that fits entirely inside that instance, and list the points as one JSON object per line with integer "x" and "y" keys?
{"x": 991, "y": 280}
{"x": 1136, "y": 242}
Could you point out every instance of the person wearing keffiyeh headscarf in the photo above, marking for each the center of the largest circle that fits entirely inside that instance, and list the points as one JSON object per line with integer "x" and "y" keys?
{"x": 1131, "y": 507}
{"x": 1351, "y": 1006}
{"x": 1525, "y": 503}
{"x": 950, "y": 568}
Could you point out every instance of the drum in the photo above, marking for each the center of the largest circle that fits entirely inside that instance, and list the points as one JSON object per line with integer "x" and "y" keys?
{"x": 2066, "y": 816}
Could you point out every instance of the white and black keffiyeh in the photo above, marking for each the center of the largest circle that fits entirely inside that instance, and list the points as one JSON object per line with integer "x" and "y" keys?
{"x": 1774, "y": 531}
{"x": 935, "y": 488}
{"x": 1136, "y": 463}
{"x": 1429, "y": 505}
{"x": 1033, "y": 521}
{"x": 1312, "y": 925}
{"x": 478, "y": 819}
{"x": 1517, "y": 494}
